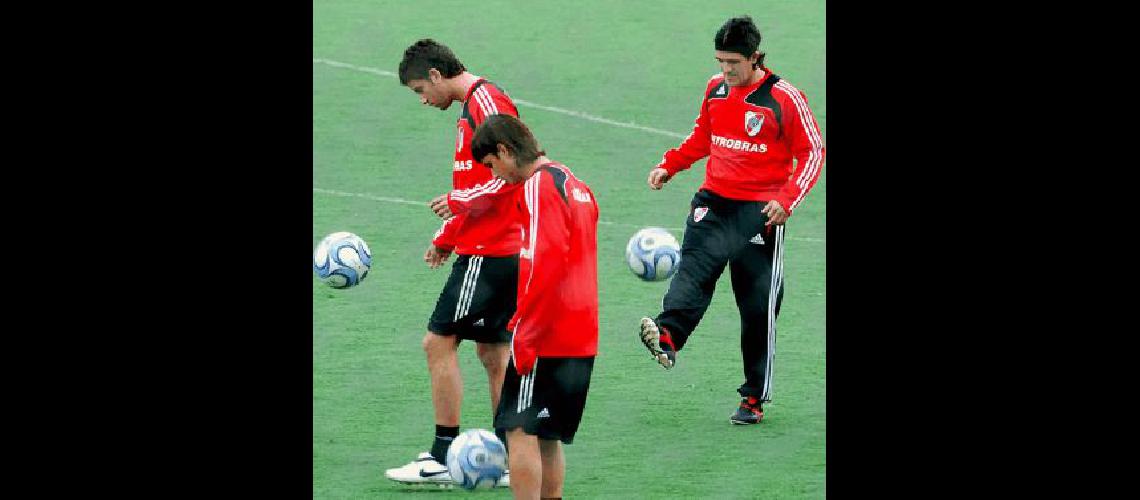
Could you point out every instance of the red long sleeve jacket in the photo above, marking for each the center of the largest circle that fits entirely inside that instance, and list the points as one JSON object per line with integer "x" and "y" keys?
{"x": 488, "y": 230}
{"x": 557, "y": 308}
{"x": 751, "y": 135}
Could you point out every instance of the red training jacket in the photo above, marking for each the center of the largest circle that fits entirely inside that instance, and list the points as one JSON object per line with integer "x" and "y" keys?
{"x": 490, "y": 230}
{"x": 557, "y": 313}
{"x": 751, "y": 134}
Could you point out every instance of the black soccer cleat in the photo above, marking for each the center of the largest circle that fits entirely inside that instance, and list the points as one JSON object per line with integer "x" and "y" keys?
{"x": 659, "y": 343}
{"x": 749, "y": 412}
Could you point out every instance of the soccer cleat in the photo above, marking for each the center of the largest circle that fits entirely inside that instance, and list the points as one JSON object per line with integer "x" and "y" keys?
{"x": 749, "y": 412}
{"x": 505, "y": 481}
{"x": 423, "y": 470}
{"x": 659, "y": 345}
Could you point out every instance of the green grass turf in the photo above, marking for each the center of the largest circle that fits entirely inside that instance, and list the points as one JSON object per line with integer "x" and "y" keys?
{"x": 646, "y": 433}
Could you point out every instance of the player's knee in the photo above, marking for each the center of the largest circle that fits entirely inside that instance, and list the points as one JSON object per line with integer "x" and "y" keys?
{"x": 492, "y": 355}
{"x": 435, "y": 344}
{"x": 549, "y": 447}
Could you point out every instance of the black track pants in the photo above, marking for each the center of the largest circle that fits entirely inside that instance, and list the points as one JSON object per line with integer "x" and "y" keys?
{"x": 723, "y": 232}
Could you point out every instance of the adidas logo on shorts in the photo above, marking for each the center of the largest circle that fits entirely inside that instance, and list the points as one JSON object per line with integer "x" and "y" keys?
{"x": 545, "y": 413}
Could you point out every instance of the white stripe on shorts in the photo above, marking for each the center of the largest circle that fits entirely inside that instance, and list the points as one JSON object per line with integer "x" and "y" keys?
{"x": 526, "y": 389}
{"x": 467, "y": 289}
{"x": 478, "y": 263}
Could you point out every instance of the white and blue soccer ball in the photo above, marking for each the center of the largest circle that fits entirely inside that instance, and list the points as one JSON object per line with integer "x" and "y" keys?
{"x": 477, "y": 459}
{"x": 653, "y": 254}
{"x": 342, "y": 260}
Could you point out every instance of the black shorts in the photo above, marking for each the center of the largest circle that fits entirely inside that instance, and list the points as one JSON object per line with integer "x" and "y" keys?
{"x": 478, "y": 299}
{"x": 548, "y": 402}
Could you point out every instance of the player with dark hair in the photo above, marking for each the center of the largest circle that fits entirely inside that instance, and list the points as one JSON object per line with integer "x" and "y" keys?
{"x": 424, "y": 56}
{"x": 556, "y": 324}
{"x": 479, "y": 297}
{"x": 752, "y": 125}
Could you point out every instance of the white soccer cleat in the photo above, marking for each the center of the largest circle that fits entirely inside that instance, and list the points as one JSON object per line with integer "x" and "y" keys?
{"x": 505, "y": 481}
{"x": 423, "y": 470}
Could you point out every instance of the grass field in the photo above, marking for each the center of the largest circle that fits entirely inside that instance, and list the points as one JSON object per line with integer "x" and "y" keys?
{"x": 578, "y": 71}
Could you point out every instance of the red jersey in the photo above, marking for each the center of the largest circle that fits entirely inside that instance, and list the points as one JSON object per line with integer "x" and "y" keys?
{"x": 751, "y": 134}
{"x": 489, "y": 231}
{"x": 557, "y": 313}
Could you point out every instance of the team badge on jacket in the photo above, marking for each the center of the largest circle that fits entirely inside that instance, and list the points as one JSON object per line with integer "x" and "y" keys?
{"x": 699, "y": 213}
{"x": 752, "y": 122}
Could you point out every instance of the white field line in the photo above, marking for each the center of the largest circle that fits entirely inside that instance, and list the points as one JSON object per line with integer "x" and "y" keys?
{"x": 553, "y": 109}
{"x": 524, "y": 103}
{"x": 387, "y": 199}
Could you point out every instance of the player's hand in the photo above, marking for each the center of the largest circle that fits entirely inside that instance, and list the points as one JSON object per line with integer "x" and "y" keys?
{"x": 435, "y": 256}
{"x": 658, "y": 177}
{"x": 775, "y": 212}
{"x": 439, "y": 206}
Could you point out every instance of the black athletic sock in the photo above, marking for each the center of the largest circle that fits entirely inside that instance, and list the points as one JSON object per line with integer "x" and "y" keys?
{"x": 443, "y": 438}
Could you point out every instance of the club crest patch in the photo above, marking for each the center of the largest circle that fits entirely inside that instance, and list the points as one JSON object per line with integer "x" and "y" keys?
{"x": 699, "y": 213}
{"x": 752, "y": 122}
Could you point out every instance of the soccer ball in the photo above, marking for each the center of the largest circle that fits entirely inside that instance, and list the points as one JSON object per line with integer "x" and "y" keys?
{"x": 653, "y": 254}
{"x": 342, "y": 260}
{"x": 476, "y": 459}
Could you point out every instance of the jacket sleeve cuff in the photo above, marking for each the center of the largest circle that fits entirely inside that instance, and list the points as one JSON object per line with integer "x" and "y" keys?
{"x": 445, "y": 245}
{"x": 784, "y": 202}
{"x": 671, "y": 169}
{"x": 455, "y": 207}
